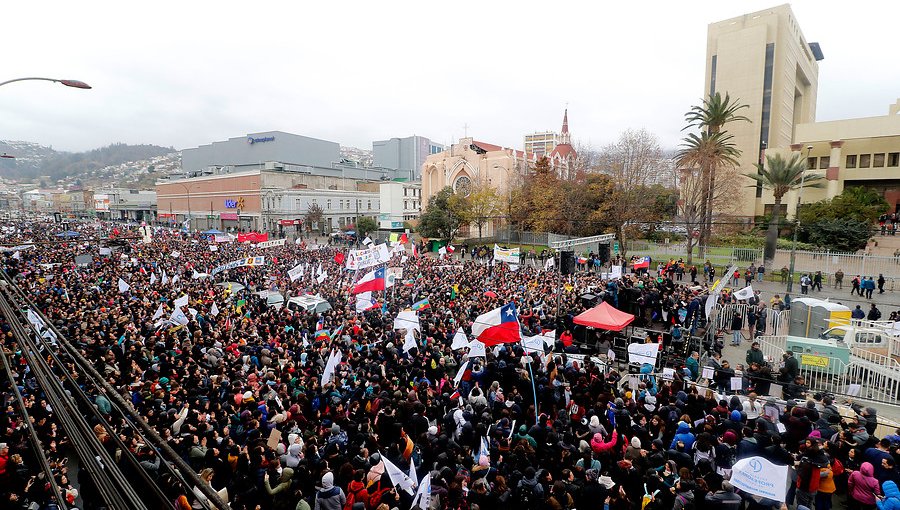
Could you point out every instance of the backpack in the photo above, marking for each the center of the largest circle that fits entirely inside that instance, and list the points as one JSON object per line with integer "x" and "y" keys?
{"x": 526, "y": 496}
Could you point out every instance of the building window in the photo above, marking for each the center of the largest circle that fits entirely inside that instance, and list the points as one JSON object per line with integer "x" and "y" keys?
{"x": 824, "y": 161}
{"x": 405, "y": 191}
{"x": 328, "y": 204}
{"x": 878, "y": 160}
{"x": 811, "y": 163}
{"x": 369, "y": 203}
{"x": 894, "y": 159}
{"x": 851, "y": 161}
{"x": 865, "y": 160}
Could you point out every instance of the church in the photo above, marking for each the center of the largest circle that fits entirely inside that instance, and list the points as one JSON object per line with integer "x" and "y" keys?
{"x": 471, "y": 162}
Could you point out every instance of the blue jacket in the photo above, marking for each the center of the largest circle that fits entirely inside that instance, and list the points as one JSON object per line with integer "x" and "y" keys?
{"x": 891, "y": 499}
{"x": 683, "y": 434}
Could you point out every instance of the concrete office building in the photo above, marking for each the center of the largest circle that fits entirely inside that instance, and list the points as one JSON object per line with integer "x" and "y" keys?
{"x": 541, "y": 144}
{"x": 850, "y": 152}
{"x": 762, "y": 60}
{"x": 125, "y": 204}
{"x": 400, "y": 202}
{"x": 256, "y": 148}
{"x": 406, "y": 155}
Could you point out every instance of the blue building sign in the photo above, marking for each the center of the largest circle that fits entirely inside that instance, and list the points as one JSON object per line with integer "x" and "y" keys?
{"x": 231, "y": 204}
{"x": 263, "y": 139}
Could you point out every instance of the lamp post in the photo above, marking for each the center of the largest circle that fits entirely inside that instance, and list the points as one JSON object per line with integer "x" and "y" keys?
{"x": 790, "y": 283}
{"x": 188, "y": 191}
{"x": 68, "y": 83}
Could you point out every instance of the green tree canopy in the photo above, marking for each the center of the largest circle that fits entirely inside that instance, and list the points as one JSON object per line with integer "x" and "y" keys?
{"x": 439, "y": 220}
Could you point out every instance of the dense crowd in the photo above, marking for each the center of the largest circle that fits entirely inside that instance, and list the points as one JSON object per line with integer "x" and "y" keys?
{"x": 240, "y": 393}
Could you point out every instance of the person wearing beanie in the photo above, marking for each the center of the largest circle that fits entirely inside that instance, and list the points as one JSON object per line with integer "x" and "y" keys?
{"x": 329, "y": 497}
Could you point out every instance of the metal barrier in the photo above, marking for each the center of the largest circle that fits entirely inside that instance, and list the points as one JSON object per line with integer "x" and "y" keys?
{"x": 877, "y": 375}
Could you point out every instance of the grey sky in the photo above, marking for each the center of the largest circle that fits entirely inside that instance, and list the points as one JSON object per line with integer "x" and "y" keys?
{"x": 191, "y": 72}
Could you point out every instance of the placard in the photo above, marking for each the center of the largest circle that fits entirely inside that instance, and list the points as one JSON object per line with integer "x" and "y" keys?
{"x": 510, "y": 256}
{"x": 270, "y": 244}
{"x": 708, "y": 373}
{"x": 668, "y": 374}
{"x": 737, "y": 383}
{"x": 643, "y": 353}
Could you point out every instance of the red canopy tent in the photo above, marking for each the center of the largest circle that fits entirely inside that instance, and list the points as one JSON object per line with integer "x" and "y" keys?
{"x": 604, "y": 316}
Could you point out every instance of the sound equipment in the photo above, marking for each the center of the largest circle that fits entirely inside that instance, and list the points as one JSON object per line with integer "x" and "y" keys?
{"x": 603, "y": 253}
{"x": 567, "y": 262}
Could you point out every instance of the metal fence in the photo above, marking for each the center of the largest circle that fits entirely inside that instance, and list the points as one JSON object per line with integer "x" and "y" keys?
{"x": 868, "y": 375}
{"x": 828, "y": 262}
{"x": 776, "y": 320}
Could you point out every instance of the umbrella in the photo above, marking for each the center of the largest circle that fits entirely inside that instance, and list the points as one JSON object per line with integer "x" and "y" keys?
{"x": 490, "y": 294}
{"x": 68, "y": 233}
{"x": 213, "y": 231}
{"x": 235, "y": 286}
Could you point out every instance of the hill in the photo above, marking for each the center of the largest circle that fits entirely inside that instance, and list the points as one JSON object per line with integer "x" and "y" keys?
{"x": 33, "y": 160}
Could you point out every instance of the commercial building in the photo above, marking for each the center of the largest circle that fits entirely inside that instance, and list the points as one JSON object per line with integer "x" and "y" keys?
{"x": 762, "y": 60}
{"x": 125, "y": 204}
{"x": 851, "y": 152}
{"x": 406, "y": 155}
{"x": 400, "y": 202}
{"x": 255, "y": 148}
{"x": 541, "y": 143}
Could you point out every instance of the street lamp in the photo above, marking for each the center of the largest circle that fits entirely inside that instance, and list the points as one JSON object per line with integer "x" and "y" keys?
{"x": 68, "y": 83}
{"x": 790, "y": 283}
{"x": 188, "y": 191}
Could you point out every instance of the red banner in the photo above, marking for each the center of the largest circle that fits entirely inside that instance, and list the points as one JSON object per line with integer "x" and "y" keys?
{"x": 253, "y": 237}
{"x": 288, "y": 223}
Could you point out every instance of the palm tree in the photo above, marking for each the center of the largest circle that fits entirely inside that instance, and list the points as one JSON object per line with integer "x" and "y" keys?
{"x": 706, "y": 154}
{"x": 711, "y": 117}
{"x": 782, "y": 176}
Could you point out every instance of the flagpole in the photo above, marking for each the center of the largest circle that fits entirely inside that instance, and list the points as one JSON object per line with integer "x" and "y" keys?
{"x": 533, "y": 388}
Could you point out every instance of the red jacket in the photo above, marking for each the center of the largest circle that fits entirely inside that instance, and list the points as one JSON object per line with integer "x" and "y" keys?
{"x": 599, "y": 446}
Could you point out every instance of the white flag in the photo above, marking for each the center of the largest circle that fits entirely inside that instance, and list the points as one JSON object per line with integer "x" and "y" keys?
{"x": 322, "y": 277}
{"x": 710, "y": 303}
{"x": 333, "y": 361}
{"x": 174, "y": 279}
{"x": 159, "y": 312}
{"x": 123, "y": 287}
{"x": 367, "y": 241}
{"x": 459, "y": 374}
{"x": 176, "y": 254}
{"x": 152, "y": 278}
{"x": 319, "y": 270}
{"x": 407, "y": 320}
{"x": 197, "y": 276}
{"x": 423, "y": 495}
{"x": 364, "y": 301}
{"x": 193, "y": 312}
{"x": 477, "y": 349}
{"x": 214, "y": 310}
{"x": 758, "y": 476}
{"x": 745, "y": 293}
{"x": 165, "y": 278}
{"x": 182, "y": 301}
{"x": 409, "y": 342}
{"x": 178, "y": 317}
{"x": 550, "y": 263}
{"x": 392, "y": 275}
{"x": 460, "y": 339}
{"x": 412, "y": 472}
{"x": 397, "y": 476}
{"x": 296, "y": 272}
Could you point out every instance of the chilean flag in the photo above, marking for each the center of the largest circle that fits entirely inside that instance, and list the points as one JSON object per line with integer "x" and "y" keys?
{"x": 643, "y": 262}
{"x": 371, "y": 281}
{"x": 499, "y": 326}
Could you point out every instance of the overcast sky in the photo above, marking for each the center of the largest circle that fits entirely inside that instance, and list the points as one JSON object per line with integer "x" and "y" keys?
{"x": 192, "y": 72}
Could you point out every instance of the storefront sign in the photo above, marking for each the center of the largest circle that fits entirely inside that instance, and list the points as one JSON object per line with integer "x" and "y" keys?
{"x": 262, "y": 139}
{"x": 228, "y": 216}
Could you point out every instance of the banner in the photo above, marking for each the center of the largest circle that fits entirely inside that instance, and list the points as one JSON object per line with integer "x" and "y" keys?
{"x": 510, "y": 256}
{"x": 253, "y": 237}
{"x": 249, "y": 261}
{"x": 224, "y": 238}
{"x": 361, "y": 259}
{"x": 643, "y": 353}
{"x": 615, "y": 273}
{"x": 296, "y": 272}
{"x": 726, "y": 276}
{"x": 269, "y": 244}
{"x": 760, "y": 477}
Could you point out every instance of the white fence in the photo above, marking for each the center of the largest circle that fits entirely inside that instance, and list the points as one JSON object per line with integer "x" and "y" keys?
{"x": 776, "y": 320}
{"x": 867, "y": 376}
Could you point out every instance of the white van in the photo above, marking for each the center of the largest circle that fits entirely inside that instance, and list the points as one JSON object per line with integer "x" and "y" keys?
{"x": 308, "y": 303}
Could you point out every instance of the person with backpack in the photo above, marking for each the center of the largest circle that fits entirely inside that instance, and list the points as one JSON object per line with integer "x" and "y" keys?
{"x": 529, "y": 494}
{"x": 357, "y": 492}
{"x": 329, "y": 497}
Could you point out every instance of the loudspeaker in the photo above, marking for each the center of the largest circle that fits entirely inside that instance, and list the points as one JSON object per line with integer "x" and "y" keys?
{"x": 603, "y": 253}
{"x": 567, "y": 262}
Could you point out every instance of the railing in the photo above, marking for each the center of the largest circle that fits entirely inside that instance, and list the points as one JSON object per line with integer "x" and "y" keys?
{"x": 877, "y": 375}
{"x": 776, "y": 320}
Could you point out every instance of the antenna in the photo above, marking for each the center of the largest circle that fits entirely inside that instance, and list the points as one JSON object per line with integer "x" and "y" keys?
{"x": 465, "y": 130}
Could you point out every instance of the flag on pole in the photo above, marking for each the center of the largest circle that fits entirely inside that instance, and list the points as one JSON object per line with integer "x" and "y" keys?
{"x": 499, "y": 326}
{"x": 159, "y": 312}
{"x": 421, "y": 305}
{"x": 371, "y": 281}
{"x": 322, "y": 335}
{"x": 367, "y": 241}
{"x": 334, "y": 359}
{"x": 364, "y": 301}
{"x": 214, "y": 310}
{"x": 642, "y": 263}
{"x": 403, "y": 238}
{"x": 459, "y": 374}
{"x": 550, "y": 263}
{"x": 423, "y": 495}
{"x": 178, "y": 317}
{"x": 745, "y": 293}
{"x": 460, "y": 340}
{"x": 337, "y": 332}
{"x": 476, "y": 350}
{"x": 165, "y": 278}
{"x": 397, "y": 476}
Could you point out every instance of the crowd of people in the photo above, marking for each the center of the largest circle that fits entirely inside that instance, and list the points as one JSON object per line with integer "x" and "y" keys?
{"x": 239, "y": 390}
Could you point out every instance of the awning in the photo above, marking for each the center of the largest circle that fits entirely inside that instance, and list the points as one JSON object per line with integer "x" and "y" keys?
{"x": 604, "y": 316}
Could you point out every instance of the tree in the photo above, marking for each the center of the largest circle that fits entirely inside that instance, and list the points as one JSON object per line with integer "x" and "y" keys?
{"x": 439, "y": 220}
{"x": 314, "y": 216}
{"x": 588, "y": 199}
{"x": 781, "y": 176}
{"x": 365, "y": 225}
{"x": 710, "y": 118}
{"x": 632, "y": 162}
{"x": 538, "y": 204}
{"x": 481, "y": 205}
{"x": 838, "y": 234}
{"x": 857, "y": 202}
